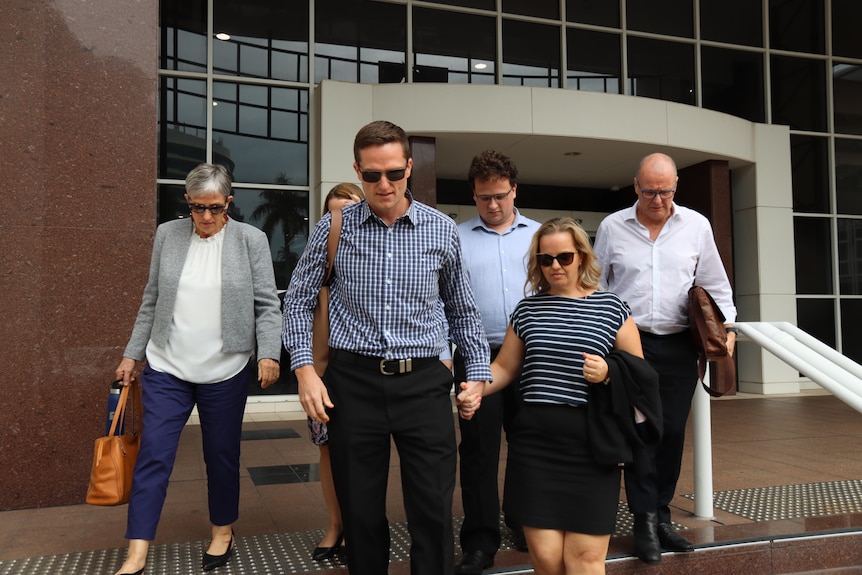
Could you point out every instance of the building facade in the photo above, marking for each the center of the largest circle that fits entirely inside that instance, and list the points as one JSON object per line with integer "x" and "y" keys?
{"x": 109, "y": 103}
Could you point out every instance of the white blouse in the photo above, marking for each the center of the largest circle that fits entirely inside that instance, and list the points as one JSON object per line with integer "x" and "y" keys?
{"x": 194, "y": 352}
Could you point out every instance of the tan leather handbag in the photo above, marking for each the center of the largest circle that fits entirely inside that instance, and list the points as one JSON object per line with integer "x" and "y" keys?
{"x": 114, "y": 456}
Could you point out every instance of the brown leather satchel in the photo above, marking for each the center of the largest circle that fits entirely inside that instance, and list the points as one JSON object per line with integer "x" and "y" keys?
{"x": 114, "y": 456}
{"x": 320, "y": 322}
{"x": 706, "y": 323}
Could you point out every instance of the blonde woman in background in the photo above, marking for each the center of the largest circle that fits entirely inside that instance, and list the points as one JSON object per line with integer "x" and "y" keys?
{"x": 339, "y": 196}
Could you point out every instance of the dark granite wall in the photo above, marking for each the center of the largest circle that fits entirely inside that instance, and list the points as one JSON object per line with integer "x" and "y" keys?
{"x": 78, "y": 124}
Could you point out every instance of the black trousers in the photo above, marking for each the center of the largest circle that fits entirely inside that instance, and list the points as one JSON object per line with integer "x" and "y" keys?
{"x": 675, "y": 360}
{"x": 480, "y": 458}
{"x": 371, "y": 411}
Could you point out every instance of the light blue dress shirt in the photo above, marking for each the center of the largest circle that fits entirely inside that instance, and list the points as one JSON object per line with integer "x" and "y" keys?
{"x": 497, "y": 267}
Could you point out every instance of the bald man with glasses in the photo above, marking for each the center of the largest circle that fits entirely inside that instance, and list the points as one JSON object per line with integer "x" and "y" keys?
{"x": 651, "y": 254}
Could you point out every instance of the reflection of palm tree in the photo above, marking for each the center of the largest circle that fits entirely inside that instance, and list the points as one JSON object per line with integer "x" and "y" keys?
{"x": 288, "y": 208}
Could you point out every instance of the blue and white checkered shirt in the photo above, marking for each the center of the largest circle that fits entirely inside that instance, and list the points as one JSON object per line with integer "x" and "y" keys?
{"x": 388, "y": 285}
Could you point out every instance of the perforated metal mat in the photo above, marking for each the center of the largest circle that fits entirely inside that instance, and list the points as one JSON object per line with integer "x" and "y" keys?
{"x": 283, "y": 553}
{"x": 278, "y": 553}
{"x": 791, "y": 501}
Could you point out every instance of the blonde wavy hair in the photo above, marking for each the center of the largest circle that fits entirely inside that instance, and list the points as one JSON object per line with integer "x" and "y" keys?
{"x": 590, "y": 269}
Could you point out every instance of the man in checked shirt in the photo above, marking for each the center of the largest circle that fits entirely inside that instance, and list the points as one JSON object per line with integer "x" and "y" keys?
{"x": 398, "y": 280}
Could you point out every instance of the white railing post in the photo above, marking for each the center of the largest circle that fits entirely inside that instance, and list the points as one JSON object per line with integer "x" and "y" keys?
{"x": 702, "y": 429}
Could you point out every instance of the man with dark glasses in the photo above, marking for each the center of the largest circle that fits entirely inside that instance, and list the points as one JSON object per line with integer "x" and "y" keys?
{"x": 651, "y": 254}
{"x": 495, "y": 246}
{"x": 398, "y": 280}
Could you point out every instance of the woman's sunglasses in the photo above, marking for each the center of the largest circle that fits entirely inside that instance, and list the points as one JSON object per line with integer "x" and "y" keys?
{"x": 547, "y": 260}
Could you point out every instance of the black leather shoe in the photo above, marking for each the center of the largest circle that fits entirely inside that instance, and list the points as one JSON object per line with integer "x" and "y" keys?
{"x": 473, "y": 563}
{"x": 647, "y": 545}
{"x": 324, "y": 553}
{"x": 138, "y": 572}
{"x": 671, "y": 540}
{"x": 519, "y": 542}
{"x": 210, "y": 562}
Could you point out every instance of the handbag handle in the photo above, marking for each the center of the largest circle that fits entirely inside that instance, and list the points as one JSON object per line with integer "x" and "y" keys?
{"x": 120, "y": 411}
{"x": 332, "y": 244}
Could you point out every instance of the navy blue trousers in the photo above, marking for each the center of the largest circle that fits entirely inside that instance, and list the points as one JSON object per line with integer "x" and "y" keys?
{"x": 675, "y": 360}
{"x": 168, "y": 402}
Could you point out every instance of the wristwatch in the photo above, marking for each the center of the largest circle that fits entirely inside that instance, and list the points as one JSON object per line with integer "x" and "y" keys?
{"x": 731, "y": 329}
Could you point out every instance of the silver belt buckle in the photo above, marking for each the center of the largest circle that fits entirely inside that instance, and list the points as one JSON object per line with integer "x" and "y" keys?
{"x": 404, "y": 366}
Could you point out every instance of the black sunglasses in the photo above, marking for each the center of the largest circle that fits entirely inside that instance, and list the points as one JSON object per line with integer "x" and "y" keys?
{"x": 200, "y": 208}
{"x": 373, "y": 176}
{"x": 547, "y": 260}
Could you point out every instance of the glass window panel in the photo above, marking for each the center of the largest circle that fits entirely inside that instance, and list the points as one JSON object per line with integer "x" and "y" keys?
{"x": 539, "y": 8}
{"x": 848, "y": 176}
{"x": 813, "y": 251}
{"x": 732, "y": 21}
{"x": 733, "y": 82}
{"x": 172, "y": 202}
{"x": 797, "y": 25}
{"x": 846, "y": 16}
{"x": 183, "y": 30}
{"x": 481, "y": 4}
{"x": 799, "y": 93}
{"x": 593, "y": 61}
{"x": 268, "y": 39}
{"x": 182, "y": 126}
{"x": 283, "y": 216}
{"x": 597, "y": 12}
{"x": 452, "y": 47}
{"x": 851, "y": 335}
{"x": 267, "y": 142}
{"x": 350, "y": 47}
{"x": 531, "y": 54}
{"x": 672, "y": 17}
{"x": 809, "y": 158}
{"x": 847, "y": 95}
{"x": 817, "y": 317}
{"x": 663, "y": 70}
{"x": 850, "y": 256}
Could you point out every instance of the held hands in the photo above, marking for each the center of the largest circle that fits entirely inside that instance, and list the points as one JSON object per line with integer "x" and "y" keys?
{"x": 267, "y": 372}
{"x": 313, "y": 394}
{"x": 595, "y": 368}
{"x": 470, "y": 398}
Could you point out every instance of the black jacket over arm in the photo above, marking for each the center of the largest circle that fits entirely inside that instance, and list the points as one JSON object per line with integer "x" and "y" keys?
{"x": 614, "y": 435}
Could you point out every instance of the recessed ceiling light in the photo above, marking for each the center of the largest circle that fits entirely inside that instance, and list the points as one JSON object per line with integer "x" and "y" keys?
{"x": 215, "y": 103}
{"x": 480, "y": 66}
{"x": 223, "y": 36}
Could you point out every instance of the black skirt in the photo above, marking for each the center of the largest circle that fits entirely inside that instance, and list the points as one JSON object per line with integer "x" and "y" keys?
{"x": 552, "y": 479}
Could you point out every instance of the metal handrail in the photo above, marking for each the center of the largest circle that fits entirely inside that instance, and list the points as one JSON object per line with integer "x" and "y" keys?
{"x": 823, "y": 365}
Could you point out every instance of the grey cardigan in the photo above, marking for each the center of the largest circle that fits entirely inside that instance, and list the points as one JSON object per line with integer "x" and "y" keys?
{"x": 250, "y": 309}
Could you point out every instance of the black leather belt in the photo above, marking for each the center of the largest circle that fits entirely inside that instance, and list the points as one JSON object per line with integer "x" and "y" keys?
{"x": 384, "y": 366}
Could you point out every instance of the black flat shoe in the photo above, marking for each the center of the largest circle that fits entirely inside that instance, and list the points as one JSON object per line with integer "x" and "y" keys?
{"x": 138, "y": 572}
{"x": 324, "y": 553}
{"x": 210, "y": 562}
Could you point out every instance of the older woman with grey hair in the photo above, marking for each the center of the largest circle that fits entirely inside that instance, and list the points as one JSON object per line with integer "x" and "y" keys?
{"x": 210, "y": 306}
